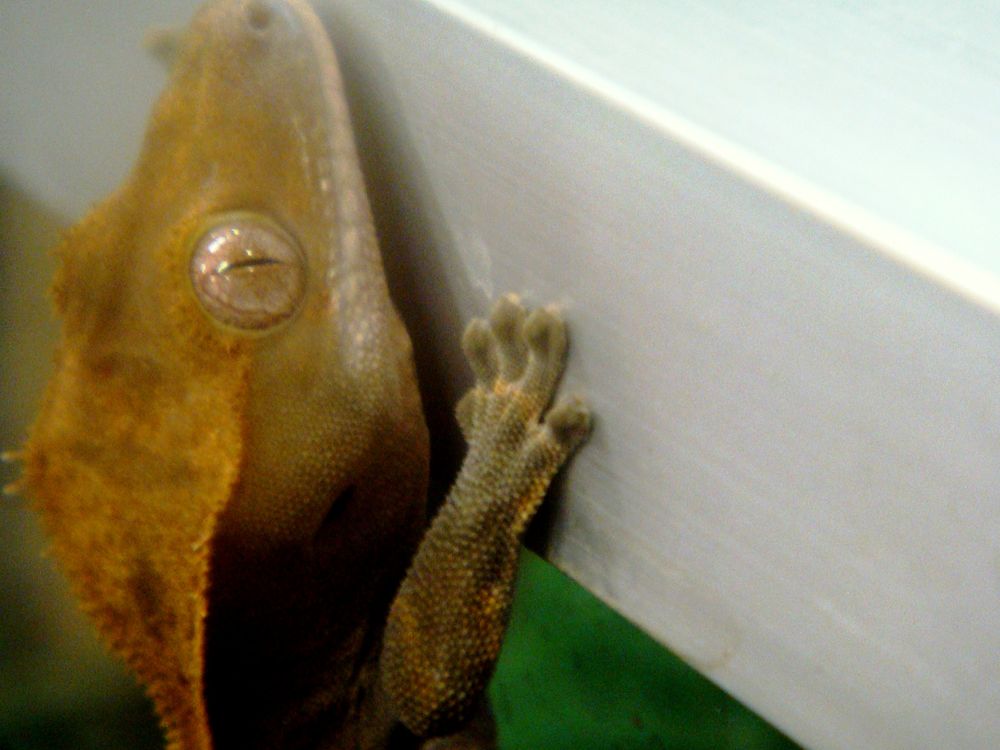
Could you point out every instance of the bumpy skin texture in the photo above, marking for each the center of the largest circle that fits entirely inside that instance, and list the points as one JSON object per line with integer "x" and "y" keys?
{"x": 236, "y": 507}
{"x": 448, "y": 619}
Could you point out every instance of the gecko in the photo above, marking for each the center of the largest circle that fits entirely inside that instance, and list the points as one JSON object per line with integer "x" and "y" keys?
{"x": 231, "y": 458}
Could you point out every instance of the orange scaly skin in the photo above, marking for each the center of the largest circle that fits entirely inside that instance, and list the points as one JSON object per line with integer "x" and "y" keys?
{"x": 231, "y": 458}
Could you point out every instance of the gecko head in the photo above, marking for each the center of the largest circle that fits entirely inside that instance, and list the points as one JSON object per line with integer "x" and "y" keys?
{"x": 253, "y": 192}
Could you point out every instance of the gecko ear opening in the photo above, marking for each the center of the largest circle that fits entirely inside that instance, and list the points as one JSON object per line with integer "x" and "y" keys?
{"x": 247, "y": 272}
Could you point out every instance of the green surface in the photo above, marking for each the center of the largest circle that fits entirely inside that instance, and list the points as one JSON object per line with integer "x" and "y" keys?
{"x": 575, "y": 674}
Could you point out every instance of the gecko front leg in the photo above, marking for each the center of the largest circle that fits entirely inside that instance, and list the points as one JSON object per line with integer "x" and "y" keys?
{"x": 447, "y": 622}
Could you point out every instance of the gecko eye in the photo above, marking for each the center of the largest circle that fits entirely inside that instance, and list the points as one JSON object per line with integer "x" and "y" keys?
{"x": 247, "y": 272}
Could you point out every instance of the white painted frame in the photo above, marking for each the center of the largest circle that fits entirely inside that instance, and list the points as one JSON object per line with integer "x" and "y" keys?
{"x": 775, "y": 233}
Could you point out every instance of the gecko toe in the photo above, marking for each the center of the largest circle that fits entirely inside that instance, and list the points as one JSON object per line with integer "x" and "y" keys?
{"x": 545, "y": 333}
{"x": 480, "y": 350}
{"x": 569, "y": 421}
{"x": 566, "y": 425}
{"x": 507, "y": 324}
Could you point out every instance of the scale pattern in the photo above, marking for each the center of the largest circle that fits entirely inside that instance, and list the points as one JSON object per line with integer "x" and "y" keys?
{"x": 447, "y": 622}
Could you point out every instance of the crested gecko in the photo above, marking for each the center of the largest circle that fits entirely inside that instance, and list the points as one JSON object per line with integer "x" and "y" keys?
{"x": 231, "y": 457}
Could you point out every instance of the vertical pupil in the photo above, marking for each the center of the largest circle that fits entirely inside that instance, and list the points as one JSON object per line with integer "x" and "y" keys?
{"x": 248, "y": 273}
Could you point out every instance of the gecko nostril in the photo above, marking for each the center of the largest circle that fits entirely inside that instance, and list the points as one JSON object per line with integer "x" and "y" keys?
{"x": 258, "y": 15}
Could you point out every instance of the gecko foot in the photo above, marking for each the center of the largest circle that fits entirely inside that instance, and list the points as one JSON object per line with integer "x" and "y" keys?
{"x": 448, "y": 619}
{"x": 517, "y": 358}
